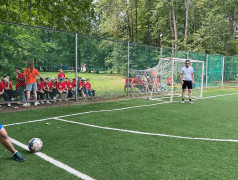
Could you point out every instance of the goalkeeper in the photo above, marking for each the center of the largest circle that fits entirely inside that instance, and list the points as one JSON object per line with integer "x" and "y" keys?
{"x": 6, "y": 142}
{"x": 186, "y": 77}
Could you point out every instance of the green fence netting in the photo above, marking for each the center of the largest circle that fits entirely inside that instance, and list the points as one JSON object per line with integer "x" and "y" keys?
{"x": 104, "y": 61}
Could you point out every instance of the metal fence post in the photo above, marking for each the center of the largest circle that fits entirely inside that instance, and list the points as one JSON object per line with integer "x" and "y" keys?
{"x": 76, "y": 67}
{"x": 223, "y": 65}
{"x": 206, "y": 69}
{"x": 172, "y": 81}
{"x": 128, "y": 68}
{"x": 161, "y": 52}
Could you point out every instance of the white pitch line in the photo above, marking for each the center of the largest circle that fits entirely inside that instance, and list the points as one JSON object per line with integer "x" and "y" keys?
{"x": 220, "y": 95}
{"x": 132, "y": 107}
{"x": 147, "y": 133}
{"x": 89, "y": 112}
{"x": 25, "y": 122}
{"x": 110, "y": 110}
{"x": 54, "y": 162}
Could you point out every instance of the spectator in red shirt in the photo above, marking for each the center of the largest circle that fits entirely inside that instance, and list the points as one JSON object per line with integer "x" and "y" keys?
{"x": 74, "y": 82}
{"x": 130, "y": 84}
{"x": 66, "y": 81}
{"x": 62, "y": 88}
{"x": 169, "y": 81}
{"x": 8, "y": 89}
{"x": 53, "y": 88}
{"x": 3, "y": 93}
{"x": 40, "y": 90}
{"x": 46, "y": 89}
{"x": 87, "y": 88}
{"x": 71, "y": 88}
{"x": 21, "y": 85}
{"x": 61, "y": 74}
{"x": 81, "y": 86}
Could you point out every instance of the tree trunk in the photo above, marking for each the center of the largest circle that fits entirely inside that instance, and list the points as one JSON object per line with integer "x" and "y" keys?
{"x": 148, "y": 22}
{"x": 174, "y": 25}
{"x": 128, "y": 24}
{"x": 171, "y": 26}
{"x": 132, "y": 26}
{"x": 136, "y": 20}
{"x": 232, "y": 24}
{"x": 186, "y": 21}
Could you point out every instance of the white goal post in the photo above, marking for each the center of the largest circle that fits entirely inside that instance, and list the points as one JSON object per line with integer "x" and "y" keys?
{"x": 170, "y": 68}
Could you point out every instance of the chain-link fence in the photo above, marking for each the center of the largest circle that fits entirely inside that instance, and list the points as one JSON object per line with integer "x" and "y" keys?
{"x": 106, "y": 63}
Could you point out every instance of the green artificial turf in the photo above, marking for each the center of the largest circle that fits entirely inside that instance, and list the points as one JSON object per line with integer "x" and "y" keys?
{"x": 108, "y": 154}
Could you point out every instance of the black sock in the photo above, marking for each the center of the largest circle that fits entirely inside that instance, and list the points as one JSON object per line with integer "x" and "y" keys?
{"x": 182, "y": 99}
{"x": 190, "y": 99}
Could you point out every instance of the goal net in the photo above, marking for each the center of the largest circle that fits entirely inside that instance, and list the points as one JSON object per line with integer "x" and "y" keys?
{"x": 165, "y": 82}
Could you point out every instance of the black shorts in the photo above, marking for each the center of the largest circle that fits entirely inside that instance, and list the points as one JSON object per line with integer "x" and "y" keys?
{"x": 188, "y": 84}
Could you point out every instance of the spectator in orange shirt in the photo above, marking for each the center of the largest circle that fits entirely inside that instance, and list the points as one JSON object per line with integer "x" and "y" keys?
{"x": 31, "y": 85}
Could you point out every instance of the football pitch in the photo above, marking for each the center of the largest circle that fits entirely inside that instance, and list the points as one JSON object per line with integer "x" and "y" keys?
{"x": 127, "y": 139}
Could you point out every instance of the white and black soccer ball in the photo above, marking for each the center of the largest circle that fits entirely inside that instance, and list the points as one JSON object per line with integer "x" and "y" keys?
{"x": 35, "y": 145}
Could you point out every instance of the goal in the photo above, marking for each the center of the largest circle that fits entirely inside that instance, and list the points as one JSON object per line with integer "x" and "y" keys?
{"x": 165, "y": 79}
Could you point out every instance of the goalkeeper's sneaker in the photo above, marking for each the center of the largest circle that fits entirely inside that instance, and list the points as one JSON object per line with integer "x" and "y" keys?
{"x": 182, "y": 102}
{"x": 18, "y": 157}
{"x": 190, "y": 102}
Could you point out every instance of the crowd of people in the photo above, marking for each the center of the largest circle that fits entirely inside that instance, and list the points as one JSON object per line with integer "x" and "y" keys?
{"x": 43, "y": 90}
{"x": 146, "y": 83}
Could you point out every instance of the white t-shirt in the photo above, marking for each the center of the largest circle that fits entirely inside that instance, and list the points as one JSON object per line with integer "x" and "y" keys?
{"x": 187, "y": 73}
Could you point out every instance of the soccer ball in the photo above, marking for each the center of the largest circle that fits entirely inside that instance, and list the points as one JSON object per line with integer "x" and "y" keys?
{"x": 35, "y": 145}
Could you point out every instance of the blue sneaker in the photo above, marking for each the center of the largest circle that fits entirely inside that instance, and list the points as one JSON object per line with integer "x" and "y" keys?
{"x": 18, "y": 157}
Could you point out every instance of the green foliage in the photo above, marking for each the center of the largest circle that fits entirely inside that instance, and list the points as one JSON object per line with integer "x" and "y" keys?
{"x": 6, "y": 69}
{"x": 210, "y": 23}
{"x": 210, "y": 30}
{"x": 61, "y": 15}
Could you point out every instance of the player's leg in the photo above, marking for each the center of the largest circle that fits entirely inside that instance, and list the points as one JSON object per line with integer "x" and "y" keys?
{"x": 190, "y": 86}
{"x": 190, "y": 96}
{"x": 6, "y": 142}
{"x": 184, "y": 85}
